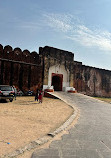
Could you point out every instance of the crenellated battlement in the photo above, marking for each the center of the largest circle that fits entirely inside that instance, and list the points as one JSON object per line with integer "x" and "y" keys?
{"x": 17, "y": 54}
{"x": 22, "y": 69}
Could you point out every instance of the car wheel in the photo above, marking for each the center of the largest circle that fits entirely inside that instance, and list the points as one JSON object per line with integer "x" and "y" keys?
{"x": 11, "y": 100}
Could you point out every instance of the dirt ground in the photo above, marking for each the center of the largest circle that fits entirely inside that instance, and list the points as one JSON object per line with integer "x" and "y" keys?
{"x": 24, "y": 120}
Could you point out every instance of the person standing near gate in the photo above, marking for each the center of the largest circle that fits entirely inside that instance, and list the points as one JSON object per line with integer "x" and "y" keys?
{"x": 40, "y": 96}
{"x": 15, "y": 92}
{"x": 37, "y": 94}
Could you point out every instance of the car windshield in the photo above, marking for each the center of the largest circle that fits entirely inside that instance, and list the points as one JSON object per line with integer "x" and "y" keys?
{"x": 6, "y": 88}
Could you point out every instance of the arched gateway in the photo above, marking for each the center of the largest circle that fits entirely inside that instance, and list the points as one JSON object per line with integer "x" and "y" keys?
{"x": 58, "y": 77}
{"x": 58, "y": 69}
{"x": 57, "y": 80}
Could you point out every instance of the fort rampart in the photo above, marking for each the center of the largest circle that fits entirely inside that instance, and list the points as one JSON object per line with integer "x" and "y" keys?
{"x": 92, "y": 81}
{"x": 22, "y": 69}
{"x": 27, "y": 70}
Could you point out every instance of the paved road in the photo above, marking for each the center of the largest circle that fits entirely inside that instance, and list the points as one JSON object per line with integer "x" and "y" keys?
{"x": 90, "y": 137}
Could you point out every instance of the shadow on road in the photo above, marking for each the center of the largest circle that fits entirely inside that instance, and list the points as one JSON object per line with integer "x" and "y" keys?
{"x": 3, "y": 101}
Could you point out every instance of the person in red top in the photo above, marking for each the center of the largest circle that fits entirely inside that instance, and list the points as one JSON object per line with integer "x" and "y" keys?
{"x": 40, "y": 96}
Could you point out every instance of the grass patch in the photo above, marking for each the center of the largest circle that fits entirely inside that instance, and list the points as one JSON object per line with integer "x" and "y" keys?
{"x": 108, "y": 100}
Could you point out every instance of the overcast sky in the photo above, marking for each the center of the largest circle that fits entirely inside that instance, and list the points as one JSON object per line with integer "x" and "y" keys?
{"x": 80, "y": 26}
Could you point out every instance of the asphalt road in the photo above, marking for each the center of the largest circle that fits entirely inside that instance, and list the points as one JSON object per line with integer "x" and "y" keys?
{"x": 90, "y": 137}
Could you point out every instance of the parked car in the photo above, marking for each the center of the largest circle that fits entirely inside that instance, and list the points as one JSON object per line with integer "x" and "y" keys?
{"x": 20, "y": 93}
{"x": 29, "y": 93}
{"x": 6, "y": 92}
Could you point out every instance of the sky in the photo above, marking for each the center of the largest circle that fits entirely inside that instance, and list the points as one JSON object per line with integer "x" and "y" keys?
{"x": 82, "y": 27}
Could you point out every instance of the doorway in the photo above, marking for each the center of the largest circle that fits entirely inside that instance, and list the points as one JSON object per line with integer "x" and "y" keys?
{"x": 57, "y": 80}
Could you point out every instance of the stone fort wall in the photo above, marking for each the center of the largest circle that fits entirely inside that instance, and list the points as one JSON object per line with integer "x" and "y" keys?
{"x": 86, "y": 79}
{"x": 22, "y": 69}
{"x": 92, "y": 81}
{"x": 26, "y": 70}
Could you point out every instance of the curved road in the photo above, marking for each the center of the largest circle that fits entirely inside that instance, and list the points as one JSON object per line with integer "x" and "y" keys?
{"x": 90, "y": 137}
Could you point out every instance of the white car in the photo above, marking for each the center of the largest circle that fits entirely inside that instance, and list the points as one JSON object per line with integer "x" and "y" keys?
{"x": 6, "y": 92}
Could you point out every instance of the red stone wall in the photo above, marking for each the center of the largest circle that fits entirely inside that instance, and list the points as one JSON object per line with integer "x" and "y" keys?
{"x": 92, "y": 81}
{"x": 16, "y": 72}
{"x": 7, "y": 74}
{"x": 20, "y": 68}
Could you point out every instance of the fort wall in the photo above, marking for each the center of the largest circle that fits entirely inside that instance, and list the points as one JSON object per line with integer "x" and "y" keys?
{"x": 27, "y": 70}
{"x": 22, "y": 69}
{"x": 92, "y": 81}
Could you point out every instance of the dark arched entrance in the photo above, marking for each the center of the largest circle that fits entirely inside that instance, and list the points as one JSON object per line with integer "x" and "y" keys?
{"x": 57, "y": 80}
